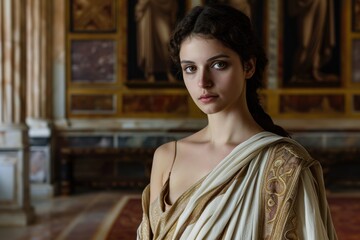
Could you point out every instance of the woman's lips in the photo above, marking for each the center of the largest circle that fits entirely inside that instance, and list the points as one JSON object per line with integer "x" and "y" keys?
{"x": 207, "y": 98}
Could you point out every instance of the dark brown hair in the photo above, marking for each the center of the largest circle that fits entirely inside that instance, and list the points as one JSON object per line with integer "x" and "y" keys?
{"x": 234, "y": 29}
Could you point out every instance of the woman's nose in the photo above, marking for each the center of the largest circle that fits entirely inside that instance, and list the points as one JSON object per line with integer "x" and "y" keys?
{"x": 205, "y": 80}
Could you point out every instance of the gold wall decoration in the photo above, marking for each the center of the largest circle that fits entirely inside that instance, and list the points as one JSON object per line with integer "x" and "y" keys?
{"x": 159, "y": 103}
{"x": 102, "y": 68}
{"x": 93, "y": 15}
{"x": 312, "y": 103}
{"x": 105, "y": 80}
{"x": 93, "y": 103}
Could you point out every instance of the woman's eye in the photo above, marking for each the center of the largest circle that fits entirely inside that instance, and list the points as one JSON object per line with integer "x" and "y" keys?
{"x": 189, "y": 69}
{"x": 219, "y": 65}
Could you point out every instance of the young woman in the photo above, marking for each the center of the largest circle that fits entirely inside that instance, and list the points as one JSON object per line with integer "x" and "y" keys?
{"x": 241, "y": 177}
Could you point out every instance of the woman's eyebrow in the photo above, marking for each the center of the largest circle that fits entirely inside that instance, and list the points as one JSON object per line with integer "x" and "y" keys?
{"x": 186, "y": 61}
{"x": 209, "y": 60}
{"x": 218, "y": 56}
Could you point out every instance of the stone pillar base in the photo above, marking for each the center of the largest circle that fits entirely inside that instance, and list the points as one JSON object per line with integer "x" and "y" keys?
{"x": 15, "y": 206}
{"x": 17, "y": 217}
{"x": 40, "y": 133}
{"x": 41, "y": 191}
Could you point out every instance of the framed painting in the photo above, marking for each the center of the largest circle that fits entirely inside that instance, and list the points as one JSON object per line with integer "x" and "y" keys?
{"x": 311, "y": 50}
{"x": 149, "y": 29}
{"x": 148, "y": 62}
{"x": 253, "y": 9}
{"x": 355, "y": 15}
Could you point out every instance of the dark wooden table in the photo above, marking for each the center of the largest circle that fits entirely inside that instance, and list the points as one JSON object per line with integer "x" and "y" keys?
{"x": 104, "y": 168}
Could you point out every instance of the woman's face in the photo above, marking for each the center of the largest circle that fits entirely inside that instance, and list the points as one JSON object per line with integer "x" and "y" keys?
{"x": 213, "y": 74}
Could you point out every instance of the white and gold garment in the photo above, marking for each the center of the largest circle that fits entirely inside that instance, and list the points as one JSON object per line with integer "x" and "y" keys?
{"x": 268, "y": 187}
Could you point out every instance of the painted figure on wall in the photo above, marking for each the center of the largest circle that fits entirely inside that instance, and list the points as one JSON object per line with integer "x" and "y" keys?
{"x": 316, "y": 39}
{"x": 356, "y": 15}
{"x": 254, "y": 9}
{"x": 242, "y": 5}
{"x": 154, "y": 19}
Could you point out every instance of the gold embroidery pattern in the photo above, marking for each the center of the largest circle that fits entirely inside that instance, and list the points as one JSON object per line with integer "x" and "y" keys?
{"x": 290, "y": 227}
{"x": 281, "y": 176}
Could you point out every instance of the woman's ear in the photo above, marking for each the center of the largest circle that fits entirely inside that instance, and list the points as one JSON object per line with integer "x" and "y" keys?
{"x": 249, "y": 68}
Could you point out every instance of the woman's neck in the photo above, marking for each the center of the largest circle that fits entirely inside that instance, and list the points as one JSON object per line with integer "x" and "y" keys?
{"x": 231, "y": 128}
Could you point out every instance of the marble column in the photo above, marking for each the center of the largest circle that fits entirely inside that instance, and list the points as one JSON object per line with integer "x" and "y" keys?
{"x": 38, "y": 98}
{"x": 15, "y": 207}
{"x": 38, "y": 59}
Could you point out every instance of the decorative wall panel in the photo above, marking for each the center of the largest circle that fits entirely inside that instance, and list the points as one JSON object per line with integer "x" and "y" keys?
{"x": 312, "y": 104}
{"x": 106, "y": 79}
{"x": 93, "y": 61}
{"x": 39, "y": 164}
{"x": 356, "y": 103}
{"x": 162, "y": 103}
{"x": 356, "y": 61}
{"x": 93, "y": 15}
{"x": 93, "y": 103}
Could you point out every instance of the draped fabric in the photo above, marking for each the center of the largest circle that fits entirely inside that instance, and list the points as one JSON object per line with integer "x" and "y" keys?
{"x": 268, "y": 187}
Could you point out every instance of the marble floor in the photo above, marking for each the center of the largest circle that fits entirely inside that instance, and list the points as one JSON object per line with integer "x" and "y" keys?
{"x": 91, "y": 216}
{"x": 84, "y": 216}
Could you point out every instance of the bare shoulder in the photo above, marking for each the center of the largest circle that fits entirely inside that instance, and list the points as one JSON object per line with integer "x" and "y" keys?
{"x": 162, "y": 160}
{"x": 164, "y": 154}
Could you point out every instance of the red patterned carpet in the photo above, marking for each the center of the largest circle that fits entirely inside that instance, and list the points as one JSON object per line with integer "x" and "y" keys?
{"x": 345, "y": 213}
{"x": 127, "y": 221}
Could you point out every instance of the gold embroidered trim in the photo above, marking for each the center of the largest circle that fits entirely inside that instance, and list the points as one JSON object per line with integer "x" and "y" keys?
{"x": 281, "y": 176}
